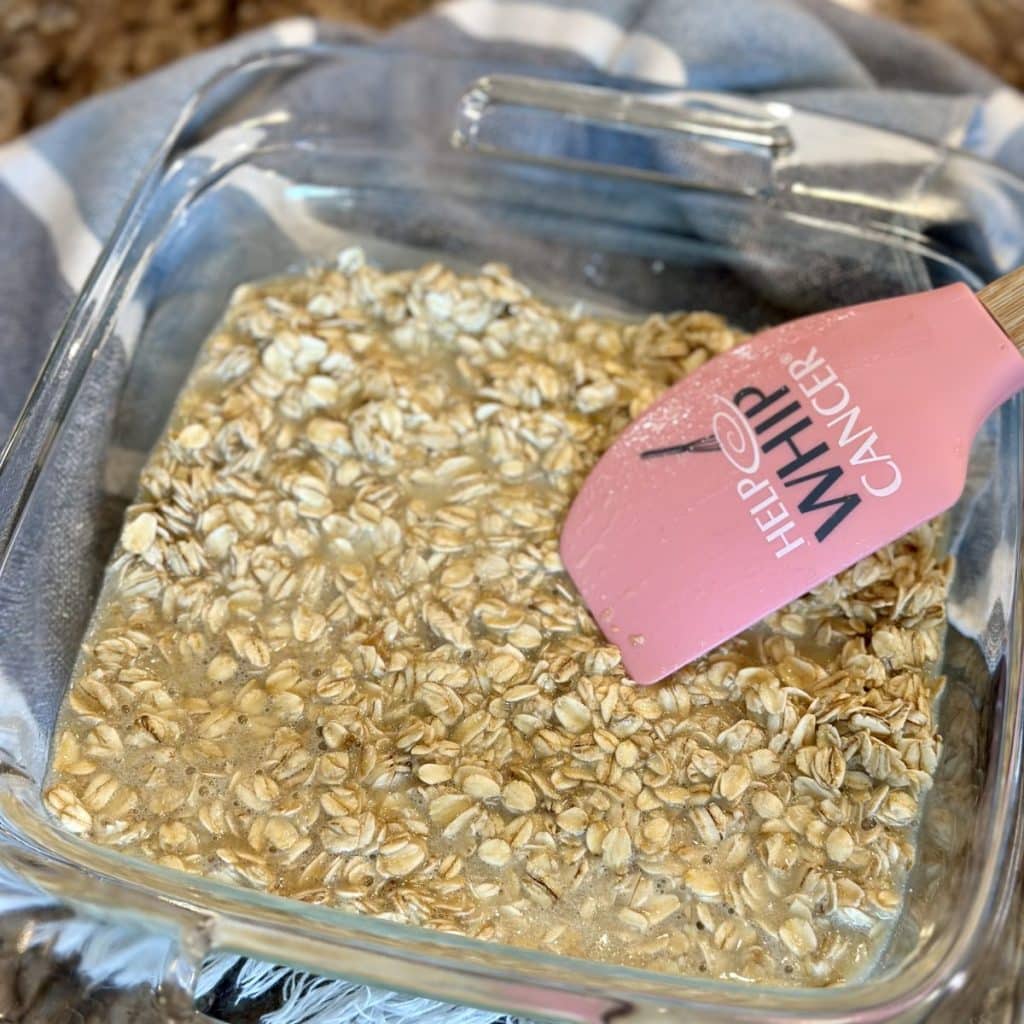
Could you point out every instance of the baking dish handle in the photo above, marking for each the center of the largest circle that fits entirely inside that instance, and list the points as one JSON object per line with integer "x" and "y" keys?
{"x": 878, "y": 183}
{"x": 679, "y": 137}
{"x": 199, "y": 925}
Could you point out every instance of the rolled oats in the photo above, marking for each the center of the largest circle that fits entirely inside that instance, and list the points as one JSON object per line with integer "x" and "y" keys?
{"x": 336, "y": 656}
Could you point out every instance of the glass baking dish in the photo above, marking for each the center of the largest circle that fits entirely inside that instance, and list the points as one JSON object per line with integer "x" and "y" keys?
{"x": 631, "y": 200}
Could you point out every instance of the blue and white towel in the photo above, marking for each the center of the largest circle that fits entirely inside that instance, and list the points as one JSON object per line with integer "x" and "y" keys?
{"x": 61, "y": 189}
{"x": 62, "y": 186}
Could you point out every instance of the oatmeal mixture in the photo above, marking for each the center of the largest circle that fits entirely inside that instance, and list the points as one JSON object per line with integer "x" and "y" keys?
{"x": 336, "y": 656}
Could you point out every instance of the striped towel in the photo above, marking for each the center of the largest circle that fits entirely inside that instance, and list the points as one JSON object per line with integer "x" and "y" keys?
{"x": 62, "y": 186}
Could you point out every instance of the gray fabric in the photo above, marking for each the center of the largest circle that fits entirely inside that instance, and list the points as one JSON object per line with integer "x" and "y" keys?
{"x": 33, "y": 301}
{"x": 811, "y": 52}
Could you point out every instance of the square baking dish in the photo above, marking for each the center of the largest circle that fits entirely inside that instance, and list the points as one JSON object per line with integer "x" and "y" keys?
{"x": 630, "y": 200}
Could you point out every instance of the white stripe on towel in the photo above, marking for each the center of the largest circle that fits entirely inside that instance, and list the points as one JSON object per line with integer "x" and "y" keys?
{"x": 40, "y": 187}
{"x": 1001, "y": 117}
{"x": 295, "y": 31}
{"x": 588, "y": 35}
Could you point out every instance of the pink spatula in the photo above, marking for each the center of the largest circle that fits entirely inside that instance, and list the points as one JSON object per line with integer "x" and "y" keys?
{"x": 783, "y": 462}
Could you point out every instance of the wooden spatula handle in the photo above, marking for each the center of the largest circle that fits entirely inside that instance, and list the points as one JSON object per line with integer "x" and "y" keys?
{"x": 1004, "y": 299}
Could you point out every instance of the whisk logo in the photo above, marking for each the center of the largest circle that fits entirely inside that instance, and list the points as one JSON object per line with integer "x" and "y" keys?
{"x": 754, "y": 424}
{"x": 735, "y": 436}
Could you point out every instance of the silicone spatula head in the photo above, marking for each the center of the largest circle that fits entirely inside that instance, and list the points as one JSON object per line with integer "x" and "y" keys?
{"x": 783, "y": 462}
